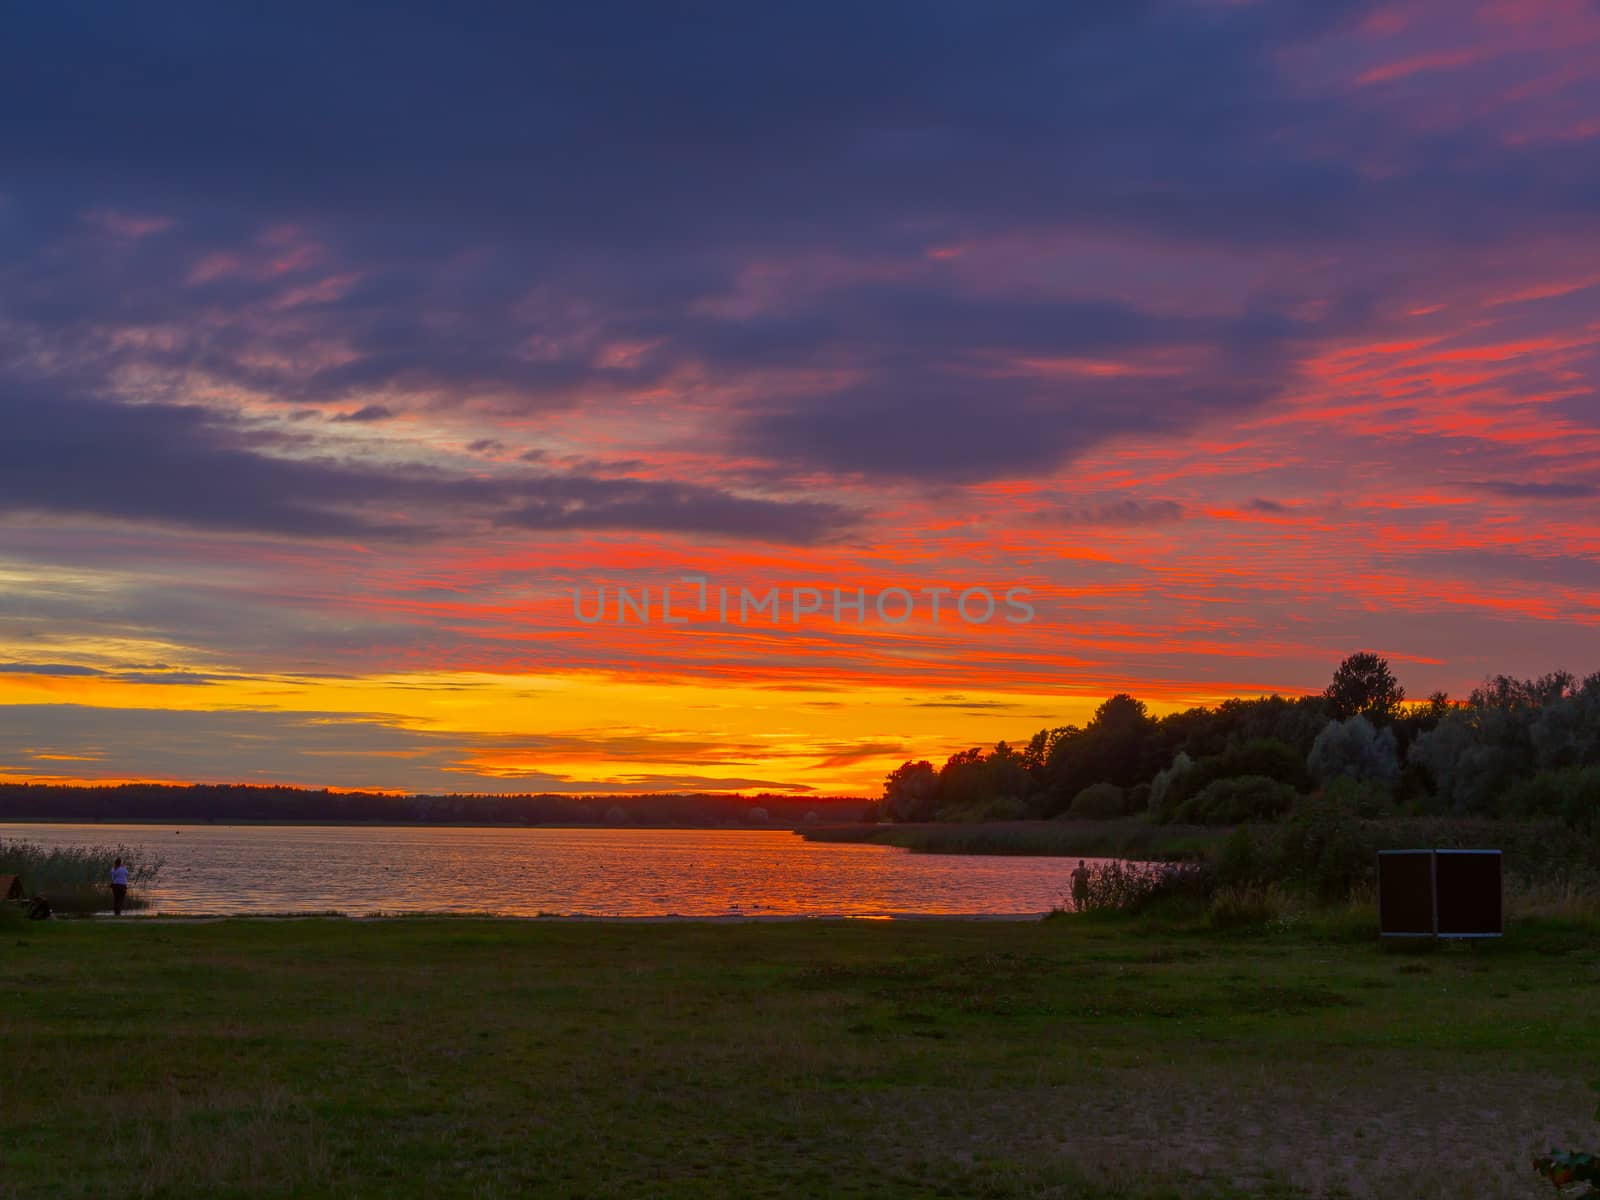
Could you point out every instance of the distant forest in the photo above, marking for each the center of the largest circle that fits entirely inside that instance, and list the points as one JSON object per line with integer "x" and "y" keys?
{"x": 200, "y": 803}
{"x": 1514, "y": 748}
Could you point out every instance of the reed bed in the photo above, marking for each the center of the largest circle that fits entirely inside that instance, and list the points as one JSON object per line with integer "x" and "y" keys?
{"x": 76, "y": 879}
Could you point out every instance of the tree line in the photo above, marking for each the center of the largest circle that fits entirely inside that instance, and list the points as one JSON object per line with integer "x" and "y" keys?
{"x": 1513, "y": 748}
{"x": 245, "y": 802}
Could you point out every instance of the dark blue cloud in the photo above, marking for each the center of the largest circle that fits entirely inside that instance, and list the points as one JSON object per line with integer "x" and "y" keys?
{"x": 635, "y": 124}
{"x": 185, "y": 465}
{"x": 1515, "y": 490}
{"x": 63, "y": 669}
{"x": 627, "y": 159}
{"x": 365, "y": 415}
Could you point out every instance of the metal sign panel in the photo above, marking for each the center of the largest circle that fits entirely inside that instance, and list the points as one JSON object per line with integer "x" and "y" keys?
{"x": 1467, "y": 883}
{"x": 1440, "y": 893}
{"x": 1405, "y": 893}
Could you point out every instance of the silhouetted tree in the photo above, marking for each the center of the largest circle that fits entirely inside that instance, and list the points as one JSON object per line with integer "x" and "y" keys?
{"x": 1364, "y": 686}
{"x": 910, "y": 791}
{"x": 962, "y": 780}
{"x": 1117, "y": 746}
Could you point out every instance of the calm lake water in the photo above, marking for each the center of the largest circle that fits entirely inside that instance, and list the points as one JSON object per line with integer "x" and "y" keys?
{"x": 590, "y": 872}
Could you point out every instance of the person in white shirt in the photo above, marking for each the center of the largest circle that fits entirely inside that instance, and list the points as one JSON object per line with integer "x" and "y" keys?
{"x": 119, "y": 887}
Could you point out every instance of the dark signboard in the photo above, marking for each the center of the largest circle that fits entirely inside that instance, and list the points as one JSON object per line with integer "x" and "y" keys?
{"x": 1439, "y": 893}
{"x": 1468, "y": 886}
{"x": 1405, "y": 893}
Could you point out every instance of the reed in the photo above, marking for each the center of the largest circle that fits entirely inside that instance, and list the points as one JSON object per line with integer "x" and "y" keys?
{"x": 76, "y": 879}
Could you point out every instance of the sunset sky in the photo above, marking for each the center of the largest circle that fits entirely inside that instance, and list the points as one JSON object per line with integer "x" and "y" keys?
{"x": 337, "y": 348}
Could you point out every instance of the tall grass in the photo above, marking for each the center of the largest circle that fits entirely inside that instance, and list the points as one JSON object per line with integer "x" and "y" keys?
{"x": 77, "y": 878}
{"x": 1566, "y": 895}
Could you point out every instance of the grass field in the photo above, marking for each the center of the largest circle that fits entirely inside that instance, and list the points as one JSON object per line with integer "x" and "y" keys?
{"x": 1075, "y": 1057}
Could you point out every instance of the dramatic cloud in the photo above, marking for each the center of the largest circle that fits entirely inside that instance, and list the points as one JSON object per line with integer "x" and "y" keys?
{"x": 187, "y": 466}
{"x": 666, "y": 507}
{"x": 372, "y": 412}
{"x": 337, "y": 348}
{"x": 1537, "y": 491}
{"x": 1123, "y": 512}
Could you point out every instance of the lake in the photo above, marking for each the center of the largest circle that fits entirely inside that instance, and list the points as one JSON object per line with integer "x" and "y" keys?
{"x": 580, "y": 872}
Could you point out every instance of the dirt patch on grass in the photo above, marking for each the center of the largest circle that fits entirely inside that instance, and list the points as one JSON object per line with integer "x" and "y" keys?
{"x": 1364, "y": 1133}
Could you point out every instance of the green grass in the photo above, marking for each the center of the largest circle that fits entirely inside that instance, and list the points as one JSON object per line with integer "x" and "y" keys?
{"x": 1074, "y": 1057}
{"x": 1132, "y": 837}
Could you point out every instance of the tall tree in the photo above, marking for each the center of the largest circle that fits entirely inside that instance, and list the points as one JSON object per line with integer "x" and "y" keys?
{"x": 910, "y": 792}
{"x": 1364, "y": 686}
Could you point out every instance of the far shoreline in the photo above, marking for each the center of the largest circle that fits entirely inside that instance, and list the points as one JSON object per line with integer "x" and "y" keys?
{"x": 221, "y": 822}
{"x": 184, "y": 918}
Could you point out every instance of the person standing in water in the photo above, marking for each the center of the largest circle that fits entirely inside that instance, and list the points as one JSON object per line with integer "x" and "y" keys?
{"x": 1080, "y": 887}
{"x": 119, "y": 887}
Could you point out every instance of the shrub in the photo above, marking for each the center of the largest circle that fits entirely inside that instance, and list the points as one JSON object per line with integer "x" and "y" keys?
{"x": 1118, "y": 886}
{"x": 1240, "y": 862}
{"x": 1368, "y": 798}
{"x": 1267, "y": 757}
{"x": 1325, "y": 847}
{"x": 1098, "y": 801}
{"x": 1006, "y": 808}
{"x": 1235, "y": 907}
{"x": 1001, "y": 808}
{"x": 1570, "y": 794}
{"x": 1473, "y": 754}
{"x": 1137, "y": 800}
{"x": 1244, "y": 798}
{"x": 1354, "y": 749}
{"x": 1161, "y": 785}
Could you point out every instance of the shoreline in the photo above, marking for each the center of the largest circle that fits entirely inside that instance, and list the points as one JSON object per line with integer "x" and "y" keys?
{"x": 270, "y": 823}
{"x": 568, "y": 918}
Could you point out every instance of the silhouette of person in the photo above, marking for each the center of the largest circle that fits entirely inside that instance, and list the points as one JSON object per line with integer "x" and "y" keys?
{"x": 119, "y": 887}
{"x": 1080, "y": 886}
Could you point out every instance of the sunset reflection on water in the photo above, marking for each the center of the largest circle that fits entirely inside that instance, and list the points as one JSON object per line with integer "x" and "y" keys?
{"x": 588, "y": 872}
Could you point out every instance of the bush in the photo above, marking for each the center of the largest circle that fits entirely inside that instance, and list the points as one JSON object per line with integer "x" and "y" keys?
{"x": 1267, "y": 757}
{"x": 1098, "y": 801}
{"x": 1230, "y": 801}
{"x": 1354, "y": 749}
{"x": 1369, "y": 799}
{"x": 1137, "y": 800}
{"x": 1007, "y": 808}
{"x": 1001, "y": 808}
{"x": 1236, "y": 908}
{"x": 1240, "y": 862}
{"x": 1325, "y": 848}
{"x": 1161, "y": 785}
{"x": 1126, "y": 887}
{"x": 1472, "y": 755}
{"x": 1569, "y": 794}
